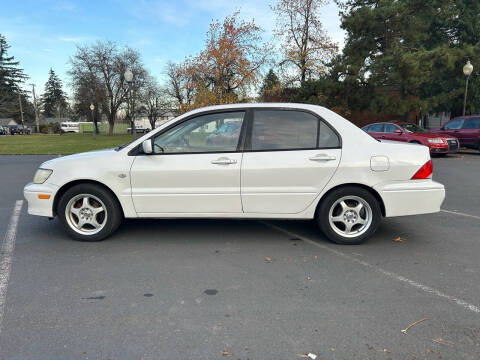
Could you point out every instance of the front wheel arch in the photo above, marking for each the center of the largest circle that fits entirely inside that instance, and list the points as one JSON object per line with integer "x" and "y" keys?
{"x": 71, "y": 184}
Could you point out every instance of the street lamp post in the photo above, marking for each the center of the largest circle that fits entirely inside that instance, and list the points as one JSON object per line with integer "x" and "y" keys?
{"x": 131, "y": 105}
{"x": 92, "y": 107}
{"x": 467, "y": 71}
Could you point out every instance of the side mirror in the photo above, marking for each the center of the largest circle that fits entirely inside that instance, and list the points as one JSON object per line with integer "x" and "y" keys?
{"x": 147, "y": 146}
{"x": 398, "y": 131}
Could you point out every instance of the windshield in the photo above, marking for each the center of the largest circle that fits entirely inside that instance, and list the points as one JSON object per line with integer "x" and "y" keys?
{"x": 413, "y": 128}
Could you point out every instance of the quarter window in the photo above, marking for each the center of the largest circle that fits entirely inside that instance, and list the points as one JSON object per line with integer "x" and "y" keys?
{"x": 327, "y": 137}
{"x": 219, "y": 132}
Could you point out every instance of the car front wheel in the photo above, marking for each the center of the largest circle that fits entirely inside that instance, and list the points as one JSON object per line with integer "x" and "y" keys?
{"x": 349, "y": 215}
{"x": 89, "y": 212}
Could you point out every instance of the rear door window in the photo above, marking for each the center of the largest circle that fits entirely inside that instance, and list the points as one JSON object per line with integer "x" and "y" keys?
{"x": 376, "y": 128}
{"x": 284, "y": 130}
{"x": 290, "y": 129}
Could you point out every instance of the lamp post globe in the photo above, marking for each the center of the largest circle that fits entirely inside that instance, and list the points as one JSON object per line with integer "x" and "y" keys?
{"x": 131, "y": 105}
{"x": 467, "y": 71}
{"x": 467, "y": 68}
{"x": 128, "y": 76}
{"x": 92, "y": 107}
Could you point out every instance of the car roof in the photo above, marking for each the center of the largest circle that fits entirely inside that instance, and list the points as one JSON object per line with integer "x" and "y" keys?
{"x": 465, "y": 117}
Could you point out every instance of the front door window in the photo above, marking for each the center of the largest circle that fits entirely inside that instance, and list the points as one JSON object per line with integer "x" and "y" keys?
{"x": 209, "y": 133}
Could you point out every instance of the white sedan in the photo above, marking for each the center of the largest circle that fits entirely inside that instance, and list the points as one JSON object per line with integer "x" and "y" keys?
{"x": 275, "y": 161}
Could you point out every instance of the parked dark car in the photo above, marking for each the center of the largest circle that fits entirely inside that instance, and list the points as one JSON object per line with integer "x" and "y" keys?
{"x": 411, "y": 133}
{"x": 19, "y": 130}
{"x": 3, "y": 131}
{"x": 465, "y": 128}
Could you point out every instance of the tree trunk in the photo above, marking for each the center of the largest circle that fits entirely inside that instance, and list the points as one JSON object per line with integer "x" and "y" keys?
{"x": 111, "y": 123}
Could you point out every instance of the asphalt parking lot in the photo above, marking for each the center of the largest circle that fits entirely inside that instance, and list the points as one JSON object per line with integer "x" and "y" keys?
{"x": 225, "y": 289}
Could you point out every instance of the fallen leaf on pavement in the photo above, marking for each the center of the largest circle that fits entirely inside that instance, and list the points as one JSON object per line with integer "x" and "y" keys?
{"x": 226, "y": 353}
{"x": 412, "y": 324}
{"x": 443, "y": 342}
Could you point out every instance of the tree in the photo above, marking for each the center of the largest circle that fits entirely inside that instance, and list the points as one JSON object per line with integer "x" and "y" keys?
{"x": 88, "y": 91}
{"x": 228, "y": 67}
{"x": 11, "y": 79}
{"x": 104, "y": 64}
{"x": 155, "y": 102}
{"x": 179, "y": 84}
{"x": 54, "y": 99}
{"x": 270, "y": 87}
{"x": 305, "y": 45}
{"x": 409, "y": 51}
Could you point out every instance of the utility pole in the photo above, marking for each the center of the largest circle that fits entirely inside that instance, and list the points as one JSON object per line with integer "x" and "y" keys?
{"x": 37, "y": 118}
{"x": 21, "y": 112}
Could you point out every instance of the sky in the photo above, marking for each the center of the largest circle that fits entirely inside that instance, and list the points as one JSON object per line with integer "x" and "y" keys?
{"x": 44, "y": 34}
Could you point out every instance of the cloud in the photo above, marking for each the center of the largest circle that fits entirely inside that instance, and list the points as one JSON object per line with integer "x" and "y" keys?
{"x": 64, "y": 6}
{"x": 73, "y": 39}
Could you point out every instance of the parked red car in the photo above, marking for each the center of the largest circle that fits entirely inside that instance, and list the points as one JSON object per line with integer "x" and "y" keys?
{"x": 412, "y": 133}
{"x": 465, "y": 128}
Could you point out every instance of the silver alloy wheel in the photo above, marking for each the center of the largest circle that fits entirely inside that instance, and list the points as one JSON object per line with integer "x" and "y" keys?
{"x": 86, "y": 214}
{"x": 350, "y": 216}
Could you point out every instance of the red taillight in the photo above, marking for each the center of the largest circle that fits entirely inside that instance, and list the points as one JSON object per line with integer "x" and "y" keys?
{"x": 424, "y": 172}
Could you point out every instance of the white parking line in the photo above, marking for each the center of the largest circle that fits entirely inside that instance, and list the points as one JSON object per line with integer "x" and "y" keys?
{"x": 387, "y": 273}
{"x": 7, "y": 255}
{"x": 460, "y": 213}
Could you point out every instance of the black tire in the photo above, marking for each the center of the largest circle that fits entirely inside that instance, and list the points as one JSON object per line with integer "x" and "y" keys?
{"x": 350, "y": 194}
{"x": 111, "y": 218}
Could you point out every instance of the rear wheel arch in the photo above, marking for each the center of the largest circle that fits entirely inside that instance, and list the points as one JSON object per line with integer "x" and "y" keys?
{"x": 71, "y": 184}
{"x": 362, "y": 186}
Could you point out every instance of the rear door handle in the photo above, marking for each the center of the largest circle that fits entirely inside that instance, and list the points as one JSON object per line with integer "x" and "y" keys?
{"x": 322, "y": 157}
{"x": 224, "y": 161}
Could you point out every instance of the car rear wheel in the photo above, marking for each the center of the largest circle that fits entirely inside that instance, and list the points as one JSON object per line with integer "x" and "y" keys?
{"x": 89, "y": 212}
{"x": 349, "y": 215}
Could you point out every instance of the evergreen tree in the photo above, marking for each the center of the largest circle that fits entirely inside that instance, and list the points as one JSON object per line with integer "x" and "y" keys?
{"x": 11, "y": 79}
{"x": 270, "y": 85}
{"x": 54, "y": 99}
{"x": 410, "y": 51}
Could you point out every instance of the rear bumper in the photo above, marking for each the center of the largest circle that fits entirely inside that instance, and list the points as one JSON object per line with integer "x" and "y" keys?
{"x": 36, "y": 205}
{"x": 411, "y": 197}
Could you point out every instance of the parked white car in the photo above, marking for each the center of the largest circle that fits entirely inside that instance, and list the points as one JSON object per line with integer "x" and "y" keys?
{"x": 288, "y": 161}
{"x": 70, "y": 127}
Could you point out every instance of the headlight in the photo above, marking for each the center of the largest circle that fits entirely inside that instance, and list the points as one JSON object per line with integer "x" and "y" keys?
{"x": 41, "y": 176}
{"x": 435, "y": 141}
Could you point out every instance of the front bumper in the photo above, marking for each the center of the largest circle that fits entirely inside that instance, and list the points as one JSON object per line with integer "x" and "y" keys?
{"x": 411, "y": 197}
{"x": 438, "y": 148}
{"x": 40, "y": 206}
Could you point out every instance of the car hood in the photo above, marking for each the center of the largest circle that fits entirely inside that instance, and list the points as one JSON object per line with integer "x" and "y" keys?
{"x": 80, "y": 156}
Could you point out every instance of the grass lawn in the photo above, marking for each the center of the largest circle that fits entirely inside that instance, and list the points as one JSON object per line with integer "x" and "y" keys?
{"x": 58, "y": 144}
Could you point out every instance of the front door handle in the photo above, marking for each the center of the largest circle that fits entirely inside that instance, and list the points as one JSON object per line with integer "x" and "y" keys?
{"x": 322, "y": 157}
{"x": 224, "y": 161}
